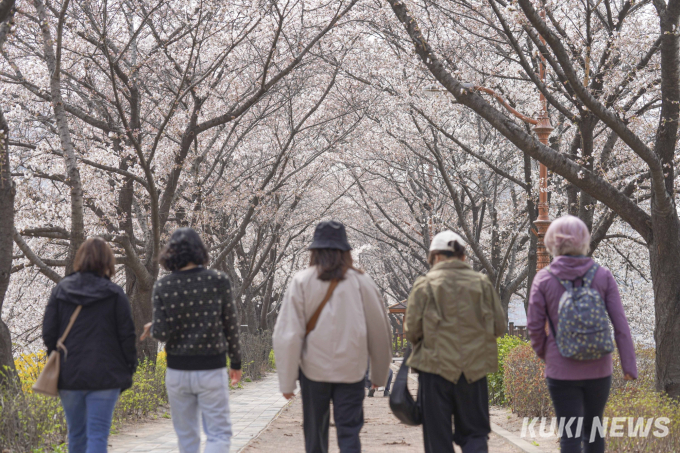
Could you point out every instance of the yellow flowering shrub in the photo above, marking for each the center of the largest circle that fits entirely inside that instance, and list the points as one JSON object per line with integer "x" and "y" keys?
{"x": 34, "y": 423}
{"x": 29, "y": 367}
{"x": 146, "y": 394}
{"x": 30, "y": 422}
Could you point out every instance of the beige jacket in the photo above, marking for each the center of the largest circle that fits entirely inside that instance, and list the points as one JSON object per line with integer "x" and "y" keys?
{"x": 453, "y": 318}
{"x": 352, "y": 328}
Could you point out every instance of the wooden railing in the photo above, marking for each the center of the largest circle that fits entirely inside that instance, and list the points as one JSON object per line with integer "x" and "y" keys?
{"x": 399, "y": 343}
{"x": 518, "y": 331}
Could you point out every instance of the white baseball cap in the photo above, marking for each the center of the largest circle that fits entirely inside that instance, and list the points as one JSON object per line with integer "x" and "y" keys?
{"x": 445, "y": 240}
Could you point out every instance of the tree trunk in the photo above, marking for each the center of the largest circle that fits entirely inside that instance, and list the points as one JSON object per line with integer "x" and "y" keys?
{"x": 77, "y": 233}
{"x": 586, "y": 208}
{"x": 266, "y": 303}
{"x": 7, "y": 192}
{"x": 505, "y": 302}
{"x": 6, "y": 357}
{"x": 665, "y": 266}
{"x": 532, "y": 254}
{"x": 142, "y": 313}
{"x": 250, "y": 317}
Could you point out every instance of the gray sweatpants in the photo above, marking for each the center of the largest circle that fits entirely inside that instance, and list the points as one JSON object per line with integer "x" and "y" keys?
{"x": 205, "y": 392}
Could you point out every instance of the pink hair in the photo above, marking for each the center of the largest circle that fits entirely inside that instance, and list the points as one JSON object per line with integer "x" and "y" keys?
{"x": 567, "y": 235}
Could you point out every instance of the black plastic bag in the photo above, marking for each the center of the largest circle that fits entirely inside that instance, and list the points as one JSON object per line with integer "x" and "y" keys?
{"x": 401, "y": 402}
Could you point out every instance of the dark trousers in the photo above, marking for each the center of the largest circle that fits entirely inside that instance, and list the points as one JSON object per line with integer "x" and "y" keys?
{"x": 468, "y": 403}
{"x": 348, "y": 413}
{"x": 586, "y": 399}
{"x": 388, "y": 386}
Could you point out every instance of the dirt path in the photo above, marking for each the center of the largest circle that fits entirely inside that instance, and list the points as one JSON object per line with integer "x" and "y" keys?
{"x": 382, "y": 432}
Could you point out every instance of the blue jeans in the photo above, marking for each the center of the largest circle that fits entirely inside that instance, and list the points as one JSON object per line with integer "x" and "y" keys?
{"x": 88, "y": 416}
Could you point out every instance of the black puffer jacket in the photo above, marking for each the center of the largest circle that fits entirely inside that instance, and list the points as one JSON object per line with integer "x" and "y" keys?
{"x": 101, "y": 345}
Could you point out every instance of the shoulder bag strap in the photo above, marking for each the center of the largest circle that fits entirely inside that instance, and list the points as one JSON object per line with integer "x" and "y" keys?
{"x": 547, "y": 313}
{"x": 311, "y": 324}
{"x": 590, "y": 275}
{"x": 60, "y": 341}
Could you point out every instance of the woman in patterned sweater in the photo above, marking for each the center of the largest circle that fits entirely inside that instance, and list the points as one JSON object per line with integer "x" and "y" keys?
{"x": 195, "y": 316}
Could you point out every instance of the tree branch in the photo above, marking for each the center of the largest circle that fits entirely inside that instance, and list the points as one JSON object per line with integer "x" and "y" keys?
{"x": 34, "y": 259}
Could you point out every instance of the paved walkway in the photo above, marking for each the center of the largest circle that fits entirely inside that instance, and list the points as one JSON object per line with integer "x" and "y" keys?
{"x": 382, "y": 432}
{"x": 252, "y": 408}
{"x": 255, "y": 406}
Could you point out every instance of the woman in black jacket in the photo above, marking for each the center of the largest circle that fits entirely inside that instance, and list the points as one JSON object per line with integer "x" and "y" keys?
{"x": 101, "y": 356}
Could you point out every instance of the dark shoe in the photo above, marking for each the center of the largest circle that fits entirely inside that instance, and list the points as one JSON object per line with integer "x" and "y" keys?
{"x": 371, "y": 393}
{"x": 387, "y": 393}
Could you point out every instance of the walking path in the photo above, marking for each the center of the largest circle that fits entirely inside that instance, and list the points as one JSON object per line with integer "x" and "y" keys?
{"x": 382, "y": 433}
{"x": 252, "y": 408}
{"x": 261, "y": 426}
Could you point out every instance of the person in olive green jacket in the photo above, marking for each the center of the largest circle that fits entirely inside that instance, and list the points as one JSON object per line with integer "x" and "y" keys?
{"x": 453, "y": 318}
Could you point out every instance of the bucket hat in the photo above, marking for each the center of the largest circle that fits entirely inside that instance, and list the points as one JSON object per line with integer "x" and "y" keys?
{"x": 330, "y": 234}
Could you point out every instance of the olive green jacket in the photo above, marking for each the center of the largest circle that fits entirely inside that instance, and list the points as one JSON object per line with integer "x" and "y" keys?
{"x": 453, "y": 317}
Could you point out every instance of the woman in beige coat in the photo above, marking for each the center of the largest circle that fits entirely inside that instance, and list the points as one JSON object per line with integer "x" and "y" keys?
{"x": 330, "y": 361}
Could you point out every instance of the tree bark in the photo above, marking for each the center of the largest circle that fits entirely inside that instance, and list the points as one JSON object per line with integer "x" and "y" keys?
{"x": 665, "y": 270}
{"x": 53, "y": 59}
{"x": 7, "y": 192}
{"x": 586, "y": 207}
{"x": 142, "y": 312}
{"x": 532, "y": 254}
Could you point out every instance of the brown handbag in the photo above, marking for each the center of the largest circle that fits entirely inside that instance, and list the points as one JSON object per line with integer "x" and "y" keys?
{"x": 49, "y": 376}
{"x": 311, "y": 324}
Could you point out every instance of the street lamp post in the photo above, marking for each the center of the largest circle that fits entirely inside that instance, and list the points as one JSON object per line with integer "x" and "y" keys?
{"x": 543, "y": 130}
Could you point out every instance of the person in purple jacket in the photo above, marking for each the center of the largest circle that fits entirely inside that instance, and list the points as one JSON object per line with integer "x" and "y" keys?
{"x": 578, "y": 388}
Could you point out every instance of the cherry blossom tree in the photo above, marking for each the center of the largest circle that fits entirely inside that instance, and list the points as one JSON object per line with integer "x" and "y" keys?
{"x": 136, "y": 88}
{"x": 602, "y": 63}
{"x": 252, "y": 121}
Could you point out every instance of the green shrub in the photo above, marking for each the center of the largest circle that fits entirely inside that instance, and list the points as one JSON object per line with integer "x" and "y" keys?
{"x": 645, "y": 357}
{"x": 635, "y": 402}
{"x": 525, "y": 387}
{"x": 29, "y": 421}
{"x": 146, "y": 394}
{"x": 272, "y": 360}
{"x": 496, "y": 388}
{"x": 399, "y": 345}
{"x": 527, "y": 395}
{"x": 34, "y": 423}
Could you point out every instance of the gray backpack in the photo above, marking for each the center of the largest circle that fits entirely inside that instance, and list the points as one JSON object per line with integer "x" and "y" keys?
{"x": 583, "y": 322}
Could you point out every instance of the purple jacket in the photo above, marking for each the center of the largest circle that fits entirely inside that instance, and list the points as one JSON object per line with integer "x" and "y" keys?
{"x": 546, "y": 290}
